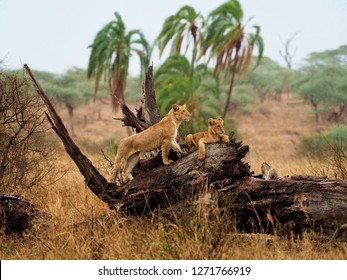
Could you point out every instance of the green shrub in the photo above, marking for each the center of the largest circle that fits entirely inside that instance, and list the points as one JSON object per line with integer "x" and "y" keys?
{"x": 321, "y": 146}
{"x": 329, "y": 148}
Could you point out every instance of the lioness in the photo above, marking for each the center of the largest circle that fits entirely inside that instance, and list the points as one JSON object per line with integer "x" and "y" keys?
{"x": 214, "y": 133}
{"x": 162, "y": 134}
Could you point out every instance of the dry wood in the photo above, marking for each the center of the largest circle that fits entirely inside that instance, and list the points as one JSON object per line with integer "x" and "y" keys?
{"x": 291, "y": 205}
{"x": 18, "y": 214}
{"x": 148, "y": 114}
{"x": 94, "y": 180}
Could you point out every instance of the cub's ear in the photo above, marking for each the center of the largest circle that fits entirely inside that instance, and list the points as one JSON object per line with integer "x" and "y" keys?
{"x": 211, "y": 122}
{"x": 220, "y": 119}
{"x": 175, "y": 107}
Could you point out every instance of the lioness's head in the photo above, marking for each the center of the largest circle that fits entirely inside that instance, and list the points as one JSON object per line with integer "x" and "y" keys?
{"x": 181, "y": 113}
{"x": 216, "y": 125}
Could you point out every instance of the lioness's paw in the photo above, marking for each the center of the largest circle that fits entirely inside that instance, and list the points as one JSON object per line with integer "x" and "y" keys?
{"x": 184, "y": 152}
{"x": 168, "y": 162}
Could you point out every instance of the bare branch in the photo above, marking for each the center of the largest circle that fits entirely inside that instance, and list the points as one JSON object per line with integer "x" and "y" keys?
{"x": 288, "y": 55}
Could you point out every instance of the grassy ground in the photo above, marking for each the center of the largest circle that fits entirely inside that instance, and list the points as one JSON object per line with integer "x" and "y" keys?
{"x": 83, "y": 227}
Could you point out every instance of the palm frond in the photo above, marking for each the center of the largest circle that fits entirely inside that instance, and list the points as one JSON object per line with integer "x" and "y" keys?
{"x": 110, "y": 54}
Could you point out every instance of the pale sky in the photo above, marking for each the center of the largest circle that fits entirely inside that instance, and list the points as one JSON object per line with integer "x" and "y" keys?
{"x": 53, "y": 35}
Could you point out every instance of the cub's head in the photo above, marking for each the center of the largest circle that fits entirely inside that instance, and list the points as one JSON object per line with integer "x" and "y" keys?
{"x": 181, "y": 113}
{"x": 216, "y": 125}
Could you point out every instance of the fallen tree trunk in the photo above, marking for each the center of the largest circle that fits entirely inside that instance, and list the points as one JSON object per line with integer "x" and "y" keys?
{"x": 18, "y": 214}
{"x": 291, "y": 204}
{"x": 156, "y": 185}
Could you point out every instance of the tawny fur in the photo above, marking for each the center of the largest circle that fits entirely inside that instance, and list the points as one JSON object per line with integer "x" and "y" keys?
{"x": 160, "y": 135}
{"x": 214, "y": 133}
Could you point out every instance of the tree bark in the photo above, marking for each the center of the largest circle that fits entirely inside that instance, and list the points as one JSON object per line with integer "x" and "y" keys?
{"x": 94, "y": 180}
{"x": 156, "y": 185}
{"x": 148, "y": 114}
{"x": 18, "y": 214}
{"x": 288, "y": 205}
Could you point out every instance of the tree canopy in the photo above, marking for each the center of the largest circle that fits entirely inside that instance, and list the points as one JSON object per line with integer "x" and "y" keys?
{"x": 323, "y": 82}
{"x": 110, "y": 55}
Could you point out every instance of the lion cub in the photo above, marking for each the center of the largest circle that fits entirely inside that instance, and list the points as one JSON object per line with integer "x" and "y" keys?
{"x": 214, "y": 133}
{"x": 162, "y": 134}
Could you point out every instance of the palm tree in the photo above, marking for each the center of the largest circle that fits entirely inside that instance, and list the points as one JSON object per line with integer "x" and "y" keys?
{"x": 185, "y": 24}
{"x": 174, "y": 84}
{"x": 226, "y": 40}
{"x": 111, "y": 51}
{"x": 176, "y": 78}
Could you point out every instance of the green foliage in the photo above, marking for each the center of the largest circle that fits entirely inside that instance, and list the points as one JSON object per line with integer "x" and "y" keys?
{"x": 329, "y": 57}
{"x": 71, "y": 87}
{"x": 199, "y": 92}
{"x": 226, "y": 40}
{"x": 181, "y": 80}
{"x": 112, "y": 150}
{"x": 178, "y": 26}
{"x": 133, "y": 91}
{"x": 321, "y": 146}
{"x": 172, "y": 82}
{"x": 268, "y": 79}
{"x": 318, "y": 83}
{"x": 245, "y": 96}
{"x": 111, "y": 51}
{"x": 323, "y": 81}
{"x": 329, "y": 148}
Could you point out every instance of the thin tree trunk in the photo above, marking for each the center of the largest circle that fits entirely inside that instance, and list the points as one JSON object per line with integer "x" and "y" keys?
{"x": 315, "y": 106}
{"x": 227, "y": 103}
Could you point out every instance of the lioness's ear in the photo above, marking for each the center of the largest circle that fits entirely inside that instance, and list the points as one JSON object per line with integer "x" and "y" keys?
{"x": 211, "y": 121}
{"x": 220, "y": 119}
{"x": 175, "y": 107}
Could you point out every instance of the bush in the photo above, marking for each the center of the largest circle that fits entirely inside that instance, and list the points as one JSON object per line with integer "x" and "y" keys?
{"x": 330, "y": 148}
{"x": 322, "y": 145}
{"x": 25, "y": 158}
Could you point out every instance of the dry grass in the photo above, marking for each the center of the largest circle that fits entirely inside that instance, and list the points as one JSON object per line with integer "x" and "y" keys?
{"x": 83, "y": 227}
{"x": 273, "y": 132}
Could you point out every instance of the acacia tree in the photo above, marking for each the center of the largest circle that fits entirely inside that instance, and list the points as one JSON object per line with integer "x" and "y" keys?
{"x": 325, "y": 88}
{"x": 226, "y": 40}
{"x": 111, "y": 51}
{"x": 323, "y": 83}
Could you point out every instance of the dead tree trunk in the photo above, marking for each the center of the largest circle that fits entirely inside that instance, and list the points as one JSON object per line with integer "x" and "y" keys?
{"x": 291, "y": 204}
{"x": 148, "y": 114}
{"x": 94, "y": 180}
{"x": 18, "y": 214}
